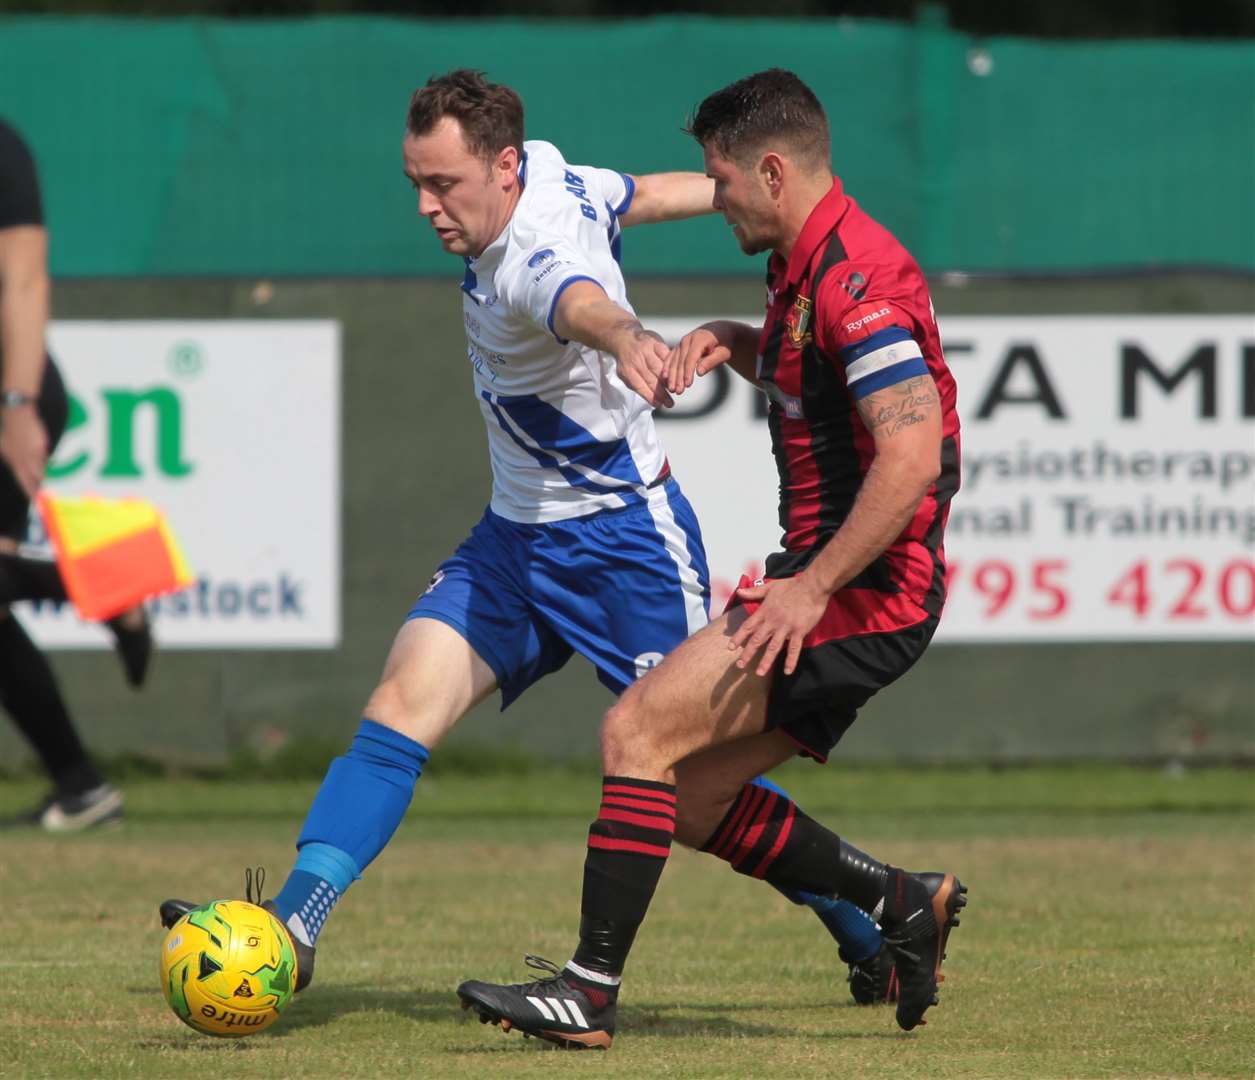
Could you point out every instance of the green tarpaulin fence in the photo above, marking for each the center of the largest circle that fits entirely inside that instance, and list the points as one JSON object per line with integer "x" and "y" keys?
{"x": 203, "y": 146}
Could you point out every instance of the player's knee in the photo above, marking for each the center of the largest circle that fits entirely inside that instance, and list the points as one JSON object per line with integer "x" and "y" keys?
{"x": 390, "y": 705}
{"x": 386, "y": 705}
{"x": 614, "y": 744}
{"x": 627, "y": 748}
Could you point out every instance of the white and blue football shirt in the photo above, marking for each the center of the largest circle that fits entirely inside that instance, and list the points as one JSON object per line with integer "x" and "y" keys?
{"x": 565, "y": 435}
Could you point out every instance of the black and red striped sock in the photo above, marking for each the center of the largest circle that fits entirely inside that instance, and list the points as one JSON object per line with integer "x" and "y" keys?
{"x": 628, "y": 846}
{"x": 765, "y": 835}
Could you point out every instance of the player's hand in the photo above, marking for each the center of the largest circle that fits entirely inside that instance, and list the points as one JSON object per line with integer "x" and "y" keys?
{"x": 789, "y": 609}
{"x": 24, "y": 446}
{"x": 698, "y": 352}
{"x": 641, "y": 364}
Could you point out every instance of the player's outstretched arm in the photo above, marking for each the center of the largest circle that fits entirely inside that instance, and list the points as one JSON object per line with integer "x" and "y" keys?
{"x": 711, "y": 344}
{"x": 586, "y": 314}
{"x": 669, "y": 197}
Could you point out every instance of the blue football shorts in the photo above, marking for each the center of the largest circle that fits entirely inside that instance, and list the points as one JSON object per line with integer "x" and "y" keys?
{"x": 621, "y": 587}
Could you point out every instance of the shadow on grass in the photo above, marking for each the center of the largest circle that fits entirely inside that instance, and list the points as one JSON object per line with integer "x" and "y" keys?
{"x": 318, "y": 1010}
{"x": 688, "y": 1020}
{"x": 709, "y": 1020}
{"x": 334, "y": 1002}
{"x": 442, "y": 1005}
{"x": 643, "y": 1022}
{"x": 185, "y": 1041}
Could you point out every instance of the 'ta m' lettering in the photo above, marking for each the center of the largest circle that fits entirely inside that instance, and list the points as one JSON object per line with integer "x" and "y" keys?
{"x": 1201, "y": 364}
{"x": 1021, "y": 361}
{"x": 1201, "y": 368}
{"x": 158, "y": 408}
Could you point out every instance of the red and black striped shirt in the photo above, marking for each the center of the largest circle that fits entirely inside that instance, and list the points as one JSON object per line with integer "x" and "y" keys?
{"x": 849, "y": 313}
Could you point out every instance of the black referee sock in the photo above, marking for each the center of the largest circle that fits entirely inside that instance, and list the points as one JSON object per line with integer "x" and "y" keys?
{"x": 628, "y": 846}
{"x": 28, "y": 691}
{"x": 29, "y": 579}
{"x": 765, "y": 835}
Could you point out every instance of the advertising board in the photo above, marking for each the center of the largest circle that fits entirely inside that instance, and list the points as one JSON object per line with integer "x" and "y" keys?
{"x": 1108, "y": 466}
{"x": 232, "y": 429}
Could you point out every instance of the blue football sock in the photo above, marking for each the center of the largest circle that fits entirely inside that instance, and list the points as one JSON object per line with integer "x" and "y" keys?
{"x": 854, "y": 930}
{"x": 361, "y": 802}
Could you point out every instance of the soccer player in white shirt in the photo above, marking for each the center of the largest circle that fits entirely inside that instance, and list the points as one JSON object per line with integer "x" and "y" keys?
{"x": 587, "y": 545}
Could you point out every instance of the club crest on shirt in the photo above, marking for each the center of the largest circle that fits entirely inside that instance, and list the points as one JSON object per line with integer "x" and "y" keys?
{"x": 797, "y": 322}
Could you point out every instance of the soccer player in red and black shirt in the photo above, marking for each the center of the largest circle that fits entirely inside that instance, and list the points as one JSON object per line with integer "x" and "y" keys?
{"x": 866, "y": 440}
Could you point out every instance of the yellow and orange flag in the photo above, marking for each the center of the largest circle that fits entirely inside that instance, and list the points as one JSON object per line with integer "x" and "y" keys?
{"x": 112, "y": 553}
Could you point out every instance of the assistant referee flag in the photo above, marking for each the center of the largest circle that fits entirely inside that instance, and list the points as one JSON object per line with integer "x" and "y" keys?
{"x": 112, "y": 553}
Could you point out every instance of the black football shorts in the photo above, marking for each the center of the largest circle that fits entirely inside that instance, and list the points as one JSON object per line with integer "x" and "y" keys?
{"x": 840, "y": 667}
{"x": 817, "y": 703}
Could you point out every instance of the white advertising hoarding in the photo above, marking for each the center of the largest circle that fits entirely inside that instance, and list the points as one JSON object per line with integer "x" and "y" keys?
{"x": 232, "y": 428}
{"x": 1108, "y": 477}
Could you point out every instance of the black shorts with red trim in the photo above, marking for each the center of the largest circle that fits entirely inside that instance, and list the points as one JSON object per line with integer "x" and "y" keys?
{"x": 838, "y": 671}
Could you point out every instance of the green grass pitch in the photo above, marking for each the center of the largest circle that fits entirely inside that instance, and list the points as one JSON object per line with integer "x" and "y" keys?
{"x": 1110, "y": 934}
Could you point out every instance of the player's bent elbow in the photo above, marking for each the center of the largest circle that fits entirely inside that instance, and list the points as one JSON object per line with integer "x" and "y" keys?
{"x": 917, "y": 465}
{"x": 28, "y": 283}
{"x": 929, "y": 470}
{"x": 923, "y": 478}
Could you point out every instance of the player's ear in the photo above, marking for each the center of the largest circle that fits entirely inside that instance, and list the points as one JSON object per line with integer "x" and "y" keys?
{"x": 771, "y": 172}
{"x": 506, "y": 168}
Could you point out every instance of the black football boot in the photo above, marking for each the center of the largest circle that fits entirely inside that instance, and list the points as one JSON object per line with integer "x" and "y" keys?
{"x": 916, "y": 924}
{"x": 549, "y": 1008}
{"x": 874, "y": 981}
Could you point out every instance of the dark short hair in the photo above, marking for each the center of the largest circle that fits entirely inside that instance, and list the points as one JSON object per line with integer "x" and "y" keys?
{"x": 773, "y": 106}
{"x": 490, "y": 115}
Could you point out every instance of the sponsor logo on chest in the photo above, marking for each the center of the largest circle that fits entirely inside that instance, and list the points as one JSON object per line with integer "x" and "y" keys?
{"x": 788, "y": 404}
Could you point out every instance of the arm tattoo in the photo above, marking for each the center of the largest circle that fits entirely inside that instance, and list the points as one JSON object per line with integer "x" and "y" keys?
{"x": 898, "y": 407}
{"x": 633, "y": 327}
